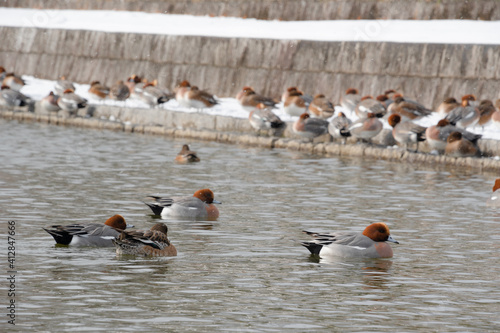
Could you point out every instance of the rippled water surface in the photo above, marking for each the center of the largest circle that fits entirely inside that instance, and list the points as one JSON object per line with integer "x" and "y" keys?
{"x": 246, "y": 271}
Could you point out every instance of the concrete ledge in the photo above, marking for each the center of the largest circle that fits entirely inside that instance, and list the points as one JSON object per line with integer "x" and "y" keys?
{"x": 289, "y": 10}
{"x": 204, "y": 127}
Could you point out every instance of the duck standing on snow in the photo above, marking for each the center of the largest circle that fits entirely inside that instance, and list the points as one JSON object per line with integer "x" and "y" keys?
{"x": 199, "y": 99}
{"x": 62, "y": 85}
{"x": 13, "y": 82}
{"x": 465, "y": 115}
{"x": 407, "y": 109}
{"x": 369, "y": 105}
{"x": 153, "y": 95}
{"x": 350, "y": 100}
{"x": 98, "y": 91}
{"x": 49, "y": 102}
{"x": 249, "y": 99}
{"x": 119, "y": 91}
{"x": 296, "y": 103}
{"x": 321, "y": 107}
{"x": 446, "y": 106}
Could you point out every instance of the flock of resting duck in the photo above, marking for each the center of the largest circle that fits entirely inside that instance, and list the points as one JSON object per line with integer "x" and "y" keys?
{"x": 316, "y": 116}
{"x": 360, "y": 116}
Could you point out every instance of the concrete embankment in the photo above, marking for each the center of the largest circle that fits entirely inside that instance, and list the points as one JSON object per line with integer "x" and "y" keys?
{"x": 427, "y": 72}
{"x": 289, "y": 10}
{"x": 230, "y": 130}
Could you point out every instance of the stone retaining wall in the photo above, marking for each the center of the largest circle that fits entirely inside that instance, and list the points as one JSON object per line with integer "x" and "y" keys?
{"x": 289, "y": 10}
{"x": 238, "y": 131}
{"x": 427, "y": 72}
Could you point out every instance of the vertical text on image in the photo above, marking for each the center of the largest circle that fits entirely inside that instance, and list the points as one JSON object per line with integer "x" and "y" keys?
{"x": 11, "y": 272}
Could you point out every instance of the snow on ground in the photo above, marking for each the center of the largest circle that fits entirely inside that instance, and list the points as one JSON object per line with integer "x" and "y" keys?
{"x": 411, "y": 31}
{"x": 38, "y": 88}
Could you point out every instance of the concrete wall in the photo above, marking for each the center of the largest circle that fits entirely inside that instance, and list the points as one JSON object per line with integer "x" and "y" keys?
{"x": 290, "y": 9}
{"x": 427, "y": 72}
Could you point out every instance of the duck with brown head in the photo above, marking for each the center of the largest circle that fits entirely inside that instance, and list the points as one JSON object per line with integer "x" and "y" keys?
{"x": 310, "y": 128}
{"x": 465, "y": 115}
{"x": 371, "y": 243}
{"x": 249, "y": 99}
{"x": 437, "y": 135}
{"x": 406, "y": 132}
{"x": 321, "y": 107}
{"x": 199, "y": 206}
{"x": 350, "y": 100}
{"x": 458, "y": 146}
{"x": 89, "y": 234}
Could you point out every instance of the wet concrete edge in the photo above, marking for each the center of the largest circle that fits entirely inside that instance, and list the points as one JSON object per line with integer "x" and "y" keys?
{"x": 246, "y": 136}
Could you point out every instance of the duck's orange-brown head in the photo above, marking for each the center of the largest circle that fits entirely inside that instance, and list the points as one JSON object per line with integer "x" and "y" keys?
{"x": 394, "y": 119}
{"x": 206, "y": 196}
{"x": 497, "y": 185}
{"x": 295, "y": 92}
{"x": 366, "y": 97}
{"x": 466, "y": 99}
{"x": 382, "y": 98}
{"x": 379, "y": 232}
{"x": 247, "y": 89}
{"x": 116, "y": 221}
{"x": 304, "y": 116}
{"x": 351, "y": 91}
{"x": 443, "y": 123}
{"x": 184, "y": 84}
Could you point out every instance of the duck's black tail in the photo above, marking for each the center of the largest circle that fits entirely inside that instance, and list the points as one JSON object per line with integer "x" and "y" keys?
{"x": 314, "y": 248}
{"x": 60, "y": 236}
{"x": 155, "y": 208}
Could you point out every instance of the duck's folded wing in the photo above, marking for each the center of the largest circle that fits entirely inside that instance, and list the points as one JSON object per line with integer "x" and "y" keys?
{"x": 341, "y": 238}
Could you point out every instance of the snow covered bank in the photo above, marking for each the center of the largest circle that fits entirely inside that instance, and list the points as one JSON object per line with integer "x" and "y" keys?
{"x": 37, "y": 89}
{"x": 435, "y": 31}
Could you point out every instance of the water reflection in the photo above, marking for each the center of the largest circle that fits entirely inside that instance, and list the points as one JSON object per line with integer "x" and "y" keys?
{"x": 246, "y": 271}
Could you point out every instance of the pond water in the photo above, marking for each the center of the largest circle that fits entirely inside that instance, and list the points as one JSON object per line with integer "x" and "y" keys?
{"x": 246, "y": 271}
